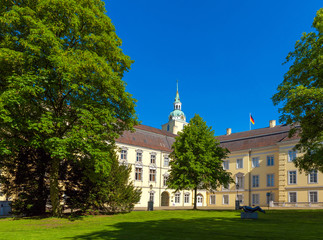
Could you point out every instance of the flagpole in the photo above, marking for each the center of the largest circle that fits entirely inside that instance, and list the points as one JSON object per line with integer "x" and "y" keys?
{"x": 249, "y": 121}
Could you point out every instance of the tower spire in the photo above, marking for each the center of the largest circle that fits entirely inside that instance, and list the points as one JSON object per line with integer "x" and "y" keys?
{"x": 176, "y": 119}
{"x": 177, "y": 100}
{"x": 177, "y": 85}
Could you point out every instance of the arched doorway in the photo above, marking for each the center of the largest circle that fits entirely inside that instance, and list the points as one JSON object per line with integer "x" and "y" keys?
{"x": 199, "y": 200}
{"x": 165, "y": 199}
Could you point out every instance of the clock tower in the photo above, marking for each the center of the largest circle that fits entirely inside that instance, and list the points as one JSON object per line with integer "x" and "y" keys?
{"x": 176, "y": 119}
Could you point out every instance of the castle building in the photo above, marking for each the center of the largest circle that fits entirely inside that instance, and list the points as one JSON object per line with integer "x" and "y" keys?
{"x": 260, "y": 161}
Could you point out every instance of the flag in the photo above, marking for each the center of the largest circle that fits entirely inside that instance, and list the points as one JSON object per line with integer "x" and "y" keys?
{"x": 251, "y": 120}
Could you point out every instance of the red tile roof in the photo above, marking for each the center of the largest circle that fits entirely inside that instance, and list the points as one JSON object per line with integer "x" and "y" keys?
{"x": 154, "y": 138}
{"x": 257, "y": 138}
{"x": 148, "y": 137}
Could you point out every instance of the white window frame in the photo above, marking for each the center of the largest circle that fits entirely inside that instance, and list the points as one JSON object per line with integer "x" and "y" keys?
{"x": 270, "y": 180}
{"x": 152, "y": 175}
{"x": 313, "y": 174}
{"x": 165, "y": 178}
{"x": 177, "y": 197}
{"x": 212, "y": 199}
{"x": 224, "y": 200}
{"x": 309, "y": 196}
{"x": 139, "y": 157}
{"x": 292, "y": 155}
{"x": 152, "y": 158}
{"x": 166, "y": 161}
{"x": 241, "y": 183}
{"x": 255, "y": 162}
{"x": 186, "y": 198}
{"x": 255, "y": 197}
{"x": 289, "y": 197}
{"x": 255, "y": 184}
{"x": 289, "y": 177}
{"x": 138, "y": 174}
{"x": 270, "y": 160}
{"x": 226, "y": 164}
{"x": 239, "y": 162}
{"x": 123, "y": 154}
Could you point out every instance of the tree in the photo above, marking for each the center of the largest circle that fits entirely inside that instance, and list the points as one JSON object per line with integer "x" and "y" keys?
{"x": 61, "y": 88}
{"x": 196, "y": 160}
{"x": 113, "y": 193}
{"x": 301, "y": 96}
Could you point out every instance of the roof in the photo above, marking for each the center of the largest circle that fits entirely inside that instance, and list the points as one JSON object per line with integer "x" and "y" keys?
{"x": 148, "y": 137}
{"x": 154, "y": 138}
{"x": 257, "y": 138}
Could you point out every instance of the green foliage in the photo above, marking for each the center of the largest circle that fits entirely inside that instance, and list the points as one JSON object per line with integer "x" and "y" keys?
{"x": 197, "y": 159}
{"x": 61, "y": 91}
{"x": 25, "y": 179}
{"x": 301, "y": 96}
{"x": 107, "y": 193}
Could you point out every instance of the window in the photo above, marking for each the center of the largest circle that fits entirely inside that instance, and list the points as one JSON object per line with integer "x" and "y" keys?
{"x": 138, "y": 174}
{"x": 255, "y": 181}
{"x": 240, "y": 198}
{"x": 255, "y": 199}
{"x": 212, "y": 199}
{"x": 225, "y": 199}
{"x": 187, "y": 198}
{"x": 226, "y": 164}
{"x": 153, "y": 159}
{"x": 240, "y": 181}
{"x": 165, "y": 181}
{"x": 152, "y": 175}
{"x": 270, "y": 160}
{"x": 166, "y": 161}
{"x": 312, "y": 177}
{"x": 255, "y": 162}
{"x": 240, "y": 163}
{"x": 312, "y": 197}
{"x": 139, "y": 157}
{"x": 292, "y": 177}
{"x": 270, "y": 180}
{"x": 177, "y": 197}
{"x": 151, "y": 196}
{"x": 292, "y": 197}
{"x": 291, "y": 156}
{"x": 123, "y": 155}
{"x": 167, "y": 128}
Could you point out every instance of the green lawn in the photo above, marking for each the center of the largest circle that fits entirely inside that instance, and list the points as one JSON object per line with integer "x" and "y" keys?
{"x": 177, "y": 224}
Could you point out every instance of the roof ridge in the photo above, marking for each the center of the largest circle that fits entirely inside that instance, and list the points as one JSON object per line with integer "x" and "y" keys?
{"x": 253, "y": 136}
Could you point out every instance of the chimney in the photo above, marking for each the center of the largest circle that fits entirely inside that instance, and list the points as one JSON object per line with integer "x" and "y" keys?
{"x": 272, "y": 123}
{"x": 229, "y": 131}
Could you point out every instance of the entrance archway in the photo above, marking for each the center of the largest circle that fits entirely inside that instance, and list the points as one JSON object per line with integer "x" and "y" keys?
{"x": 165, "y": 199}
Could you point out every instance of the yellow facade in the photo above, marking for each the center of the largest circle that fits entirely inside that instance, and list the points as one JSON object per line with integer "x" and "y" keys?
{"x": 273, "y": 180}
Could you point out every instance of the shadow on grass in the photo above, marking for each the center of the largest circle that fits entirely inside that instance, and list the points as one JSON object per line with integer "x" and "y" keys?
{"x": 277, "y": 225}
{"x": 198, "y": 228}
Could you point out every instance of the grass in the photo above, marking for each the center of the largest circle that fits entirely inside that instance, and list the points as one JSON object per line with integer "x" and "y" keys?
{"x": 179, "y": 224}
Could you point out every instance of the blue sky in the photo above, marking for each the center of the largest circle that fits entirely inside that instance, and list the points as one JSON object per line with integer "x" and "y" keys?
{"x": 226, "y": 55}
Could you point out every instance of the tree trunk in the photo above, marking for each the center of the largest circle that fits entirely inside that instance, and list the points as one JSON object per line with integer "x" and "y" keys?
{"x": 54, "y": 188}
{"x": 195, "y": 198}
